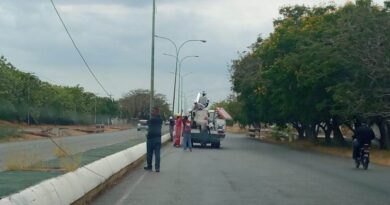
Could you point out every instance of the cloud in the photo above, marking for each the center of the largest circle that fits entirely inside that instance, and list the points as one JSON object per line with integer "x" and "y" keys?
{"x": 115, "y": 38}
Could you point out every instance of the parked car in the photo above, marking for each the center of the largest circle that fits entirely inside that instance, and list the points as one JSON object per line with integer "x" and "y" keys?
{"x": 142, "y": 125}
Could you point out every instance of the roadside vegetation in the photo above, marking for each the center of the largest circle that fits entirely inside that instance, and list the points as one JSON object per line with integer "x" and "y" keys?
{"x": 320, "y": 70}
{"x": 25, "y": 98}
{"x": 8, "y": 131}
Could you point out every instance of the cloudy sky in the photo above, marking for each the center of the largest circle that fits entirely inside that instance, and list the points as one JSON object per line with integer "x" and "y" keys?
{"x": 115, "y": 38}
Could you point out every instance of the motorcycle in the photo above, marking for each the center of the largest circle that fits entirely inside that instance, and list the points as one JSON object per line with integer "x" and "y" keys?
{"x": 364, "y": 157}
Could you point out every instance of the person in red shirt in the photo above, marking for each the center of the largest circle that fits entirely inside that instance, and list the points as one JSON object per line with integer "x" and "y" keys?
{"x": 178, "y": 130}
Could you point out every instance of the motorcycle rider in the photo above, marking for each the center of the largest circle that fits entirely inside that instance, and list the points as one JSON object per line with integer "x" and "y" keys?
{"x": 363, "y": 135}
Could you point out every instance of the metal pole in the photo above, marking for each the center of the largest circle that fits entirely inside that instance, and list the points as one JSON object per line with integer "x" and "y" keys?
{"x": 152, "y": 59}
{"x": 95, "y": 108}
{"x": 174, "y": 85}
{"x": 181, "y": 94}
{"x": 177, "y": 59}
{"x": 28, "y": 100}
{"x": 179, "y": 89}
{"x": 180, "y": 84}
{"x": 182, "y": 89}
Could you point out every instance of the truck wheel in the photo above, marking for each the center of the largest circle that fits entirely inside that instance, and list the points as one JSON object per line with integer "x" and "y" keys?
{"x": 217, "y": 145}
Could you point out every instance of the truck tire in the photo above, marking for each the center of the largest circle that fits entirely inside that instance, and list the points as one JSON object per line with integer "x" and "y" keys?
{"x": 217, "y": 145}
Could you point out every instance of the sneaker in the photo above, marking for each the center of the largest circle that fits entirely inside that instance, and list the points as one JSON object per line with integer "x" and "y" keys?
{"x": 157, "y": 170}
{"x": 148, "y": 168}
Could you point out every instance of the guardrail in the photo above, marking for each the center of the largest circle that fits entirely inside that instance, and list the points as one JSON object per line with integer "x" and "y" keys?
{"x": 73, "y": 186}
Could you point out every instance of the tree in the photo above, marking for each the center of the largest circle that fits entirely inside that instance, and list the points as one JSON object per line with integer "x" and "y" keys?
{"x": 24, "y": 97}
{"x": 135, "y": 104}
{"x": 320, "y": 68}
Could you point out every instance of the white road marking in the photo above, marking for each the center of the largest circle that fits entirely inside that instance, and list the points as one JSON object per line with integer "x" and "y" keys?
{"x": 132, "y": 188}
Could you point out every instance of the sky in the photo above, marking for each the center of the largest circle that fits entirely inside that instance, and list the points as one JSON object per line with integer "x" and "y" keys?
{"x": 115, "y": 38}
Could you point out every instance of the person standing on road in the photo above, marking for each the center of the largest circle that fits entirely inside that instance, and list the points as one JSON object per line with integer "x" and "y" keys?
{"x": 153, "y": 142}
{"x": 187, "y": 134}
{"x": 171, "y": 126}
{"x": 178, "y": 130}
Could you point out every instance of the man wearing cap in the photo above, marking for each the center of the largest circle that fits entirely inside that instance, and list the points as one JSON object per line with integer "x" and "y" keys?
{"x": 153, "y": 142}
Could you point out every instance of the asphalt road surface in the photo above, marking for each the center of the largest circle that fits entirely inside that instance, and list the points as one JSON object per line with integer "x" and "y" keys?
{"x": 247, "y": 171}
{"x": 44, "y": 149}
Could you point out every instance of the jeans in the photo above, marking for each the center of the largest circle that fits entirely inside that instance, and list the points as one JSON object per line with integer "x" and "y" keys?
{"x": 171, "y": 132}
{"x": 187, "y": 141}
{"x": 355, "y": 149}
{"x": 153, "y": 145}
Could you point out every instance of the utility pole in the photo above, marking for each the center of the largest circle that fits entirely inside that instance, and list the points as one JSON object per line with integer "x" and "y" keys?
{"x": 152, "y": 59}
{"x": 28, "y": 99}
{"x": 95, "y": 108}
{"x": 28, "y": 106}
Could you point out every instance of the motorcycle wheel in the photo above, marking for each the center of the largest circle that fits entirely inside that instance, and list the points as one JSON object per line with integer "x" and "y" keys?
{"x": 365, "y": 163}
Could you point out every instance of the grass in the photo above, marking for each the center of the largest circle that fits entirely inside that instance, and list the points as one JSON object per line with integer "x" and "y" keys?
{"x": 7, "y": 131}
{"x": 70, "y": 163}
{"x": 236, "y": 129}
{"x": 22, "y": 161}
{"x": 67, "y": 162}
{"x": 378, "y": 156}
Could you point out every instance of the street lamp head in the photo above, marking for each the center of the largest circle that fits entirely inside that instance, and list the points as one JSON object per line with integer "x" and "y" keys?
{"x": 203, "y": 41}
{"x": 167, "y": 54}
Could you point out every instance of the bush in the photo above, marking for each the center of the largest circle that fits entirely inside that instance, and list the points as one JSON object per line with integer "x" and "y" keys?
{"x": 282, "y": 133}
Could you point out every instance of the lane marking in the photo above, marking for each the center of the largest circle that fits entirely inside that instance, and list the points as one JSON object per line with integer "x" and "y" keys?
{"x": 132, "y": 188}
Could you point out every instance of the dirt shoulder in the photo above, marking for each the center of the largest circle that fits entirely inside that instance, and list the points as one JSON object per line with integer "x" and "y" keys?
{"x": 13, "y": 132}
{"x": 377, "y": 156}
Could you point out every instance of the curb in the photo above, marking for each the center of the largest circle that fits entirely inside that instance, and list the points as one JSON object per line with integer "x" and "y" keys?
{"x": 85, "y": 183}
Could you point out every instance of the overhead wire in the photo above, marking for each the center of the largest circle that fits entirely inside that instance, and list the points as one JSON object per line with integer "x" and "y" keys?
{"x": 77, "y": 49}
{"x": 70, "y": 157}
{"x": 90, "y": 71}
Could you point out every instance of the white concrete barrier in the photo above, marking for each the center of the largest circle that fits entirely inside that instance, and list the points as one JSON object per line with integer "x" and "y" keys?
{"x": 68, "y": 188}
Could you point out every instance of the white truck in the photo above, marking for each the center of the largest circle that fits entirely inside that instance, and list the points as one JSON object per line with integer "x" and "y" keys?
{"x": 208, "y": 126}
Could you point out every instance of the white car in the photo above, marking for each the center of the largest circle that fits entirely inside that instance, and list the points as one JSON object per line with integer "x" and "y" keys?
{"x": 142, "y": 125}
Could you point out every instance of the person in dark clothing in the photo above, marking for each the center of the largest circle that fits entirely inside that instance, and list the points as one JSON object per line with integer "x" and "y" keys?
{"x": 171, "y": 127}
{"x": 363, "y": 135}
{"x": 153, "y": 142}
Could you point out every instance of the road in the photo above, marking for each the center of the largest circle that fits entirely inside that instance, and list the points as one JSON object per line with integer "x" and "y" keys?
{"x": 247, "y": 171}
{"x": 44, "y": 149}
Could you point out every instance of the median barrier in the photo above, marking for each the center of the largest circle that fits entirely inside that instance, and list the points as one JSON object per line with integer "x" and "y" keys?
{"x": 79, "y": 186}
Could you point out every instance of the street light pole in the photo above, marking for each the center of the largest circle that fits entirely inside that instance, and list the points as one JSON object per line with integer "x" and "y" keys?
{"x": 181, "y": 61}
{"x": 95, "y": 108}
{"x": 182, "y": 88}
{"x": 176, "y": 64}
{"x": 152, "y": 61}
